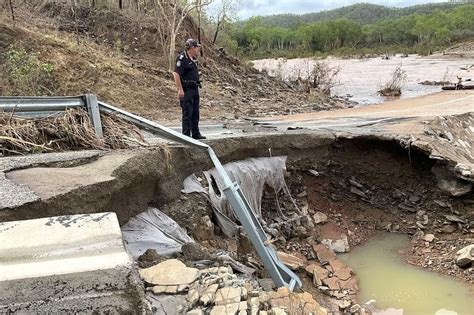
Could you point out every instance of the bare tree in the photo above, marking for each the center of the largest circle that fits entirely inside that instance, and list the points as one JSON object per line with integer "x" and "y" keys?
{"x": 171, "y": 14}
{"x": 223, "y": 13}
{"x": 12, "y": 10}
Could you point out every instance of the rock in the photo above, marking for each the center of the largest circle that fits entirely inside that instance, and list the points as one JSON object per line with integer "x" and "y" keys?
{"x": 353, "y": 182}
{"x": 194, "y": 252}
{"x": 344, "y": 304}
{"x": 277, "y": 311}
{"x": 429, "y": 238}
{"x": 320, "y": 217}
{"x": 170, "y": 272}
{"x": 291, "y": 261}
{"x": 454, "y": 218}
{"x": 323, "y": 253}
{"x": 197, "y": 311}
{"x": 203, "y": 230}
{"x": 358, "y": 192}
{"x": 193, "y": 297}
{"x": 266, "y": 284}
{"x": 354, "y": 308}
{"x": 302, "y": 194}
{"x": 350, "y": 285}
{"x": 448, "y": 229}
{"x": 228, "y": 295}
{"x": 333, "y": 283}
{"x": 227, "y": 309}
{"x": 149, "y": 258}
{"x": 337, "y": 246}
{"x": 209, "y": 294}
{"x": 314, "y": 173}
{"x": 343, "y": 274}
{"x": 447, "y": 182}
{"x": 465, "y": 257}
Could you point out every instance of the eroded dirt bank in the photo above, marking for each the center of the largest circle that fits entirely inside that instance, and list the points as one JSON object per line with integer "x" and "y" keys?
{"x": 361, "y": 185}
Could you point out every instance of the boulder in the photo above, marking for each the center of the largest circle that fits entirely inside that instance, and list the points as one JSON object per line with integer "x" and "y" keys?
{"x": 465, "y": 257}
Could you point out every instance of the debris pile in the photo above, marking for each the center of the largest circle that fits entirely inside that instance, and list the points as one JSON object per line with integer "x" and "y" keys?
{"x": 218, "y": 290}
{"x": 71, "y": 130}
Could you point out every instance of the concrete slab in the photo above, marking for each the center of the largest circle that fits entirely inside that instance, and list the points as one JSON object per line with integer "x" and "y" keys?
{"x": 66, "y": 264}
{"x": 14, "y": 194}
{"x": 47, "y": 182}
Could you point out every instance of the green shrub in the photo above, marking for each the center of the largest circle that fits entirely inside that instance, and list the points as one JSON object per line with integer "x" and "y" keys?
{"x": 25, "y": 74}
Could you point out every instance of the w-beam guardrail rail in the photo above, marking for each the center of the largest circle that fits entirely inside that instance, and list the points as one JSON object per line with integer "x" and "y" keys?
{"x": 44, "y": 106}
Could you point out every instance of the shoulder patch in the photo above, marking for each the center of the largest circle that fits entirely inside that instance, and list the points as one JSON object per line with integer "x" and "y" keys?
{"x": 178, "y": 64}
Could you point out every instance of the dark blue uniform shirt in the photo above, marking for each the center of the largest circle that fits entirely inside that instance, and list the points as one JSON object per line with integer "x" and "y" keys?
{"x": 187, "y": 69}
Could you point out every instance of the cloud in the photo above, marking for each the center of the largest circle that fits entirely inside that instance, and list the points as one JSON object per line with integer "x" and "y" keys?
{"x": 248, "y": 8}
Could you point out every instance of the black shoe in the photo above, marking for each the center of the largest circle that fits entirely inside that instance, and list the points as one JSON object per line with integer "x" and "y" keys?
{"x": 199, "y": 137}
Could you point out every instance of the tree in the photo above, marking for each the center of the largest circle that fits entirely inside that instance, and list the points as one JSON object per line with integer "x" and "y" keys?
{"x": 222, "y": 15}
{"x": 171, "y": 14}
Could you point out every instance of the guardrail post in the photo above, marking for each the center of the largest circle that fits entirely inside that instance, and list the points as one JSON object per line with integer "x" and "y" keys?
{"x": 93, "y": 109}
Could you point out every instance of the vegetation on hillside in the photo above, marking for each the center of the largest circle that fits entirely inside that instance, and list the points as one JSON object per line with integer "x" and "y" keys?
{"x": 416, "y": 32}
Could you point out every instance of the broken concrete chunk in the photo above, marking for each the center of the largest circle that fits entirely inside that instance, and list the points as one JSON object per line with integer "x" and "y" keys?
{"x": 209, "y": 295}
{"x": 465, "y": 256}
{"x": 320, "y": 217}
{"x": 66, "y": 264}
{"x": 228, "y": 295}
{"x": 291, "y": 261}
{"x": 227, "y": 309}
{"x": 169, "y": 272}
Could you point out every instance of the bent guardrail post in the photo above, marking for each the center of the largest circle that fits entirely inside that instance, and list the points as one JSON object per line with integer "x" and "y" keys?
{"x": 281, "y": 274}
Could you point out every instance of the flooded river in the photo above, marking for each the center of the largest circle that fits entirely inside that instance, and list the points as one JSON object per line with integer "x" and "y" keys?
{"x": 362, "y": 78}
{"x": 394, "y": 287}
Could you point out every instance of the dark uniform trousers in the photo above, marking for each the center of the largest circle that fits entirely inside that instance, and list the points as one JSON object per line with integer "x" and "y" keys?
{"x": 190, "y": 108}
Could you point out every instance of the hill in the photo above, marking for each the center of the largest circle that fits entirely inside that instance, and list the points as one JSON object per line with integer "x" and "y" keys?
{"x": 362, "y": 13}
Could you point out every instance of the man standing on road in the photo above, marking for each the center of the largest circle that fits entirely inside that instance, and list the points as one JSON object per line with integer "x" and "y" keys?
{"x": 186, "y": 76}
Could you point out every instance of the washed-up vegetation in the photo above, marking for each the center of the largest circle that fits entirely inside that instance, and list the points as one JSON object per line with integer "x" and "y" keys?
{"x": 69, "y": 131}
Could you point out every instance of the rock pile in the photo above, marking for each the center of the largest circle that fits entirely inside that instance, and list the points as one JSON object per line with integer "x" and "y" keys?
{"x": 218, "y": 290}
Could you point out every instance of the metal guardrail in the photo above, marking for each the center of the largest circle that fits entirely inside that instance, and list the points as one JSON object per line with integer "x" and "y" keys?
{"x": 43, "y": 106}
{"x": 281, "y": 274}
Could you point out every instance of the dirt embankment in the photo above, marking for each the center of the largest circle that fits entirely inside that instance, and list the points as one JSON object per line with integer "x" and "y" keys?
{"x": 117, "y": 56}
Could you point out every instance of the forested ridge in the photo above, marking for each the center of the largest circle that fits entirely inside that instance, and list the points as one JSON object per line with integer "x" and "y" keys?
{"x": 356, "y": 28}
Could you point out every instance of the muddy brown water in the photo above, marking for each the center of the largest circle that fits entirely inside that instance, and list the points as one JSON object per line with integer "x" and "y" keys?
{"x": 392, "y": 286}
{"x": 360, "y": 79}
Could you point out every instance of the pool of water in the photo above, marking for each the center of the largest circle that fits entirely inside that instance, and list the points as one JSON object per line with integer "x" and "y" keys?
{"x": 362, "y": 78}
{"x": 394, "y": 287}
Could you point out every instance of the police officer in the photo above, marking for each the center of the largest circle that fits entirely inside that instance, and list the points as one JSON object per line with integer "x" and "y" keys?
{"x": 186, "y": 76}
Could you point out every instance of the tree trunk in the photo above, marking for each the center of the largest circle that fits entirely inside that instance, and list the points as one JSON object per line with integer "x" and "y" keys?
{"x": 214, "y": 39}
{"x": 171, "y": 51}
{"x": 120, "y": 4}
{"x": 12, "y": 11}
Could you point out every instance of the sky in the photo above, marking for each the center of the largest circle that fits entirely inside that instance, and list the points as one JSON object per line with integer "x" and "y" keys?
{"x": 248, "y": 8}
